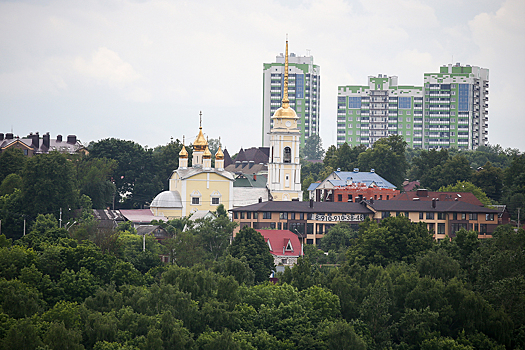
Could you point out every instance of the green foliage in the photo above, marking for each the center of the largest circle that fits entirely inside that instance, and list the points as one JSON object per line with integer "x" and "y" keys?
{"x": 394, "y": 239}
{"x": 250, "y": 244}
{"x": 135, "y": 177}
{"x": 340, "y": 335}
{"x": 387, "y": 157}
{"x": 93, "y": 177}
{"x": 48, "y": 185}
{"x": 489, "y": 180}
{"x": 435, "y": 169}
{"x": 10, "y": 183}
{"x": 339, "y": 236}
{"x": 313, "y": 148}
{"x": 11, "y": 162}
{"x": 465, "y": 186}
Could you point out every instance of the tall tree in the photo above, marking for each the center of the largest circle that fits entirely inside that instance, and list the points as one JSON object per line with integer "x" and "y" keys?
{"x": 250, "y": 244}
{"x": 387, "y": 157}
{"x": 11, "y": 162}
{"x": 490, "y": 180}
{"x": 93, "y": 176}
{"x": 313, "y": 147}
{"x": 394, "y": 239}
{"x": 48, "y": 185}
{"x": 135, "y": 177}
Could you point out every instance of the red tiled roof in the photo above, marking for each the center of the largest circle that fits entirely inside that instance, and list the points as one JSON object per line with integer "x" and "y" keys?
{"x": 280, "y": 240}
{"x": 425, "y": 195}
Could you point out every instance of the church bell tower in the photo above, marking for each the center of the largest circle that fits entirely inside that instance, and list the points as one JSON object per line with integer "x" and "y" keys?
{"x": 284, "y": 168}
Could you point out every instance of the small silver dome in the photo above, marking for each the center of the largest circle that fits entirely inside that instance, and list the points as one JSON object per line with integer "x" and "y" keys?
{"x": 167, "y": 199}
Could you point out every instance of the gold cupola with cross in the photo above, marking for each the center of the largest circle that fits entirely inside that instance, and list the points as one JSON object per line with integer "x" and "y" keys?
{"x": 199, "y": 146}
{"x": 284, "y": 167}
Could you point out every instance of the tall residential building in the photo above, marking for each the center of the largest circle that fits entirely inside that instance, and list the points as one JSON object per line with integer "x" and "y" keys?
{"x": 449, "y": 111}
{"x": 382, "y": 108}
{"x": 304, "y": 88}
{"x": 456, "y": 107}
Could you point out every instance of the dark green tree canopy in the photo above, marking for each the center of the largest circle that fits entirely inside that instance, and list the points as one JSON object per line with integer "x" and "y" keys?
{"x": 250, "y": 244}
{"x": 387, "y": 157}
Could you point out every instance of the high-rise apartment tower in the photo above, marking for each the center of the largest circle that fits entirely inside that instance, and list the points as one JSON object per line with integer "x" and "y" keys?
{"x": 303, "y": 93}
{"x": 449, "y": 111}
{"x": 456, "y": 103}
{"x": 382, "y": 108}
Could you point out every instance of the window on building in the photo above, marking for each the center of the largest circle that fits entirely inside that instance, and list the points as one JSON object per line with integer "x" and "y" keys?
{"x": 339, "y": 197}
{"x": 482, "y": 228}
{"x": 235, "y": 215}
{"x": 267, "y": 215}
{"x": 248, "y": 215}
{"x": 473, "y": 216}
{"x": 385, "y": 214}
{"x": 287, "y": 158}
{"x": 441, "y": 216}
{"x": 215, "y": 201}
{"x": 301, "y": 216}
{"x": 430, "y": 216}
{"x": 421, "y": 215}
{"x": 195, "y": 200}
{"x": 255, "y": 215}
{"x": 441, "y": 229}
{"x": 242, "y": 215}
{"x": 406, "y": 214}
{"x": 283, "y": 216}
{"x": 489, "y": 217}
{"x": 431, "y": 228}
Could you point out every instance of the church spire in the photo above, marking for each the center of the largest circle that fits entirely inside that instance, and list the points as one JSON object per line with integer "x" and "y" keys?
{"x": 286, "y": 102}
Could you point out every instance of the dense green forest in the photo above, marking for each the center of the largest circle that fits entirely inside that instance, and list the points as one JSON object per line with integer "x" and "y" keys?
{"x": 393, "y": 287}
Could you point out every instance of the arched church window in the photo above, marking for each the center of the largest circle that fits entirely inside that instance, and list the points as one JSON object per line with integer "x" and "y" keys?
{"x": 287, "y": 155}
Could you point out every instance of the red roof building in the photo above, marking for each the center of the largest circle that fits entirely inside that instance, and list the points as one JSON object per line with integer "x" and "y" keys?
{"x": 358, "y": 191}
{"x": 426, "y": 195}
{"x": 284, "y": 246}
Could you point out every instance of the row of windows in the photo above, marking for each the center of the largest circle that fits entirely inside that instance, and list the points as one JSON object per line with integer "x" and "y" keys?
{"x": 301, "y": 216}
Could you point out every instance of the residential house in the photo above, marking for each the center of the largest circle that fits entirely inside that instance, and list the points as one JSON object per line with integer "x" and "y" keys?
{"x": 284, "y": 246}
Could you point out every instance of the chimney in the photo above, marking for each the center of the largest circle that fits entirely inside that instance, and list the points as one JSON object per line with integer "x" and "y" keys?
{"x": 311, "y": 203}
{"x": 9, "y": 136}
{"x": 422, "y": 193}
{"x": 260, "y": 199}
{"x": 254, "y": 177}
{"x": 35, "y": 140}
{"x": 434, "y": 203}
{"x": 59, "y": 138}
{"x": 371, "y": 200}
{"x": 1, "y": 136}
{"x": 71, "y": 139}
{"x": 45, "y": 140}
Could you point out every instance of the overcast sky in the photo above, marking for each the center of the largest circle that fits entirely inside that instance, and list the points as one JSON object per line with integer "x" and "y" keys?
{"x": 142, "y": 70}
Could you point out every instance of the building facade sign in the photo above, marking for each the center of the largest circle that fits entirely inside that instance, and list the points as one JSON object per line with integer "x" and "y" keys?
{"x": 337, "y": 218}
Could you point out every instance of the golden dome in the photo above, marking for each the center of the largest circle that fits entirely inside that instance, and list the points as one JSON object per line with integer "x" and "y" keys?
{"x": 219, "y": 155}
{"x": 183, "y": 153}
{"x": 285, "y": 112}
{"x": 200, "y": 143}
{"x": 207, "y": 153}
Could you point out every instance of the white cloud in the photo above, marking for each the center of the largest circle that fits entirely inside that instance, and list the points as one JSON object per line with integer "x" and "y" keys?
{"x": 106, "y": 66}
